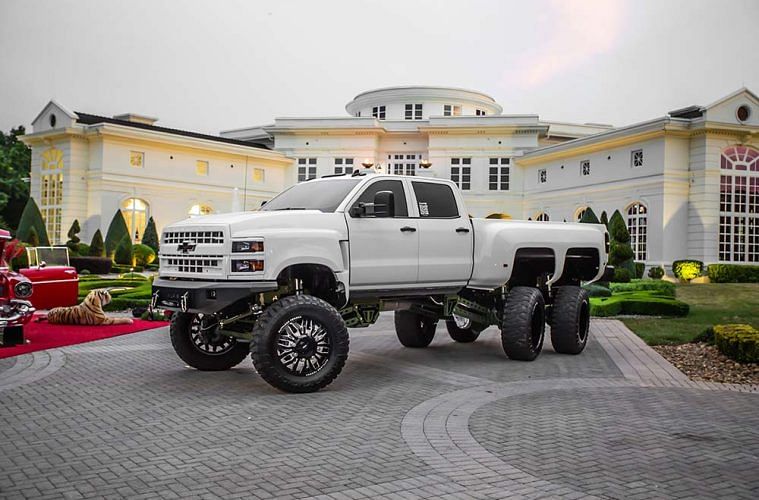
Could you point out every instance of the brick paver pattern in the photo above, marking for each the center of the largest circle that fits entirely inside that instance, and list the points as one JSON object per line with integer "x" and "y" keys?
{"x": 124, "y": 418}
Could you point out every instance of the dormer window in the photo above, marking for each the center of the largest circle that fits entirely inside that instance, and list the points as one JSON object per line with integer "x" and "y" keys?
{"x": 451, "y": 110}
{"x": 413, "y": 112}
{"x": 53, "y": 120}
{"x": 480, "y": 112}
{"x": 743, "y": 113}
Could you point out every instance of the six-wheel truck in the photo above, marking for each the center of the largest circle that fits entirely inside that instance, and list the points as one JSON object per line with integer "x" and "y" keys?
{"x": 286, "y": 282}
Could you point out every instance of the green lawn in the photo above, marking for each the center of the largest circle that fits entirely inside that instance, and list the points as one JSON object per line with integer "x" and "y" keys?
{"x": 709, "y": 305}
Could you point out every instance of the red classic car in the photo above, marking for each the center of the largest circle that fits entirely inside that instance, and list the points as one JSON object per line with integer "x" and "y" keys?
{"x": 56, "y": 283}
{"x": 15, "y": 289}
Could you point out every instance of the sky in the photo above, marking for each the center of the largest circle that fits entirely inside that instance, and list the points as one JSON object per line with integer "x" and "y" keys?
{"x": 217, "y": 65}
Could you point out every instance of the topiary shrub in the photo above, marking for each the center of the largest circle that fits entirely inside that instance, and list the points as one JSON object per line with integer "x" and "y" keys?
{"x": 738, "y": 342}
{"x": 604, "y": 219}
{"x": 95, "y": 265}
{"x": 621, "y": 275}
{"x": 123, "y": 254}
{"x": 589, "y": 217}
{"x": 687, "y": 269}
{"x": 73, "y": 241}
{"x": 663, "y": 288}
{"x": 150, "y": 238}
{"x": 656, "y": 273}
{"x": 33, "y": 238}
{"x": 596, "y": 290}
{"x": 620, "y": 253}
{"x": 640, "y": 267}
{"x": 83, "y": 249}
{"x": 143, "y": 255}
{"x": 97, "y": 248}
{"x": 117, "y": 230}
{"x": 733, "y": 273}
{"x": 31, "y": 219}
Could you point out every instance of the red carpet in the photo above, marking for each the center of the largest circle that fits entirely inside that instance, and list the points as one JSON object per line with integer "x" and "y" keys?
{"x": 43, "y": 335}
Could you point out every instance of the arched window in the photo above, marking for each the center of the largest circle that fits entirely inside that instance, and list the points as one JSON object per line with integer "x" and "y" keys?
{"x": 135, "y": 213}
{"x": 542, "y": 216}
{"x": 637, "y": 224}
{"x": 739, "y": 205}
{"x": 200, "y": 209}
{"x": 579, "y": 213}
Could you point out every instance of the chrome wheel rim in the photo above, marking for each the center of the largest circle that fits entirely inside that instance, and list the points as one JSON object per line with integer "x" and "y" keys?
{"x": 208, "y": 341}
{"x": 462, "y": 322}
{"x": 303, "y": 346}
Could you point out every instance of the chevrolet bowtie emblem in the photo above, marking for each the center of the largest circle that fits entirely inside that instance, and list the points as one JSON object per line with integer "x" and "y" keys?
{"x": 186, "y": 246}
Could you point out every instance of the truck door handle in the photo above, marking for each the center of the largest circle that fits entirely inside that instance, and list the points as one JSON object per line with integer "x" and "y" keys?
{"x": 410, "y": 229}
{"x": 462, "y": 230}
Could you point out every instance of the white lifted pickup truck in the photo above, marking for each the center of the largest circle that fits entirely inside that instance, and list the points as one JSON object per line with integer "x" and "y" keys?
{"x": 286, "y": 282}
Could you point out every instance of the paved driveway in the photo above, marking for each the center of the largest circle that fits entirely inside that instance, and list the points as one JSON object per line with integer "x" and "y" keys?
{"x": 124, "y": 417}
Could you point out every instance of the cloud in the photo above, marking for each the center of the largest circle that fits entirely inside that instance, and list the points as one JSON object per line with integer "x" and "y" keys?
{"x": 573, "y": 32}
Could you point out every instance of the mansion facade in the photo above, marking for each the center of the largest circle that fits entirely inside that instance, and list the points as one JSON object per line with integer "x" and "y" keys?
{"x": 687, "y": 183}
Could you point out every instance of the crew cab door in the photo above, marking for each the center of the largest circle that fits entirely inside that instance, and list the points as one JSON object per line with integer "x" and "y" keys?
{"x": 384, "y": 249}
{"x": 445, "y": 234}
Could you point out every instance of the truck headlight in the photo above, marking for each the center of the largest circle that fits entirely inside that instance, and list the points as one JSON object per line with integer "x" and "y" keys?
{"x": 22, "y": 289}
{"x": 247, "y": 246}
{"x": 247, "y": 266}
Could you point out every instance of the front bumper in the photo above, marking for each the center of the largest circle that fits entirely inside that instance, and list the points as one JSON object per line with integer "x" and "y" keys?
{"x": 205, "y": 297}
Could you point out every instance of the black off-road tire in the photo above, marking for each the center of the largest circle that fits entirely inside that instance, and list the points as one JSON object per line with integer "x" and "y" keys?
{"x": 180, "y": 331}
{"x": 414, "y": 330}
{"x": 523, "y": 323}
{"x": 266, "y": 335}
{"x": 570, "y": 321}
{"x": 463, "y": 335}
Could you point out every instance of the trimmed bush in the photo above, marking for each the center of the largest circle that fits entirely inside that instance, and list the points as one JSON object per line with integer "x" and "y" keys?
{"x": 687, "y": 269}
{"x": 621, "y": 275}
{"x": 123, "y": 254}
{"x": 143, "y": 254}
{"x": 662, "y": 288}
{"x": 31, "y": 218}
{"x": 83, "y": 249}
{"x": 97, "y": 247}
{"x": 73, "y": 241}
{"x": 596, "y": 290}
{"x": 117, "y": 230}
{"x": 95, "y": 265}
{"x": 656, "y": 273}
{"x": 638, "y": 303}
{"x": 640, "y": 267}
{"x": 33, "y": 238}
{"x": 589, "y": 217}
{"x": 738, "y": 342}
{"x": 733, "y": 273}
{"x": 604, "y": 219}
{"x": 150, "y": 238}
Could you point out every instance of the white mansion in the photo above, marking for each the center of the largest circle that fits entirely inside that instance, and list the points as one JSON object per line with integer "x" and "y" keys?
{"x": 687, "y": 183}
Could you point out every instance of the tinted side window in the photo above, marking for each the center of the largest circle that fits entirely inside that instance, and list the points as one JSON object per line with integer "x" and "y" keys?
{"x": 401, "y": 210}
{"x": 435, "y": 200}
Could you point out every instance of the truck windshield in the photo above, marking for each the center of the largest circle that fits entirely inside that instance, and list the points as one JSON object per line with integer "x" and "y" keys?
{"x": 323, "y": 196}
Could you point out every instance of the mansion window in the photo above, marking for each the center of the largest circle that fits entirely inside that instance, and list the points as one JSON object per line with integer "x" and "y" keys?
{"x": 201, "y": 167}
{"x": 344, "y": 165}
{"x": 135, "y": 213}
{"x": 461, "y": 173}
{"x": 403, "y": 163}
{"x": 51, "y": 192}
{"x": 739, "y": 205}
{"x": 451, "y": 110}
{"x": 413, "y": 112}
{"x": 637, "y": 224}
{"x": 542, "y": 217}
{"x": 498, "y": 174}
{"x": 636, "y": 158}
{"x": 480, "y": 112}
{"x": 306, "y": 169}
{"x": 542, "y": 176}
{"x": 585, "y": 167}
{"x": 378, "y": 112}
{"x": 137, "y": 159}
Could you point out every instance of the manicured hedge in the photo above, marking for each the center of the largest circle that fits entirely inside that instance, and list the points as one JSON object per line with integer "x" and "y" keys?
{"x": 656, "y": 273}
{"x": 664, "y": 288}
{"x": 596, "y": 290}
{"x": 733, "y": 273}
{"x": 638, "y": 303}
{"x": 97, "y": 265}
{"x": 738, "y": 342}
{"x": 687, "y": 269}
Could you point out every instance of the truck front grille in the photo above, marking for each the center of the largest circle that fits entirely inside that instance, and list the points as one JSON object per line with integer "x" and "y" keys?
{"x": 197, "y": 237}
{"x": 197, "y": 264}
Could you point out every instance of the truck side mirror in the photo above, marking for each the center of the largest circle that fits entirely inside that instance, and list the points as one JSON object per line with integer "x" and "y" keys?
{"x": 384, "y": 204}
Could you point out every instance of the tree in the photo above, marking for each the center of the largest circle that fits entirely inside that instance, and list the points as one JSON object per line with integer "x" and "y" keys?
{"x": 116, "y": 232}
{"x": 589, "y": 217}
{"x": 32, "y": 218}
{"x": 605, "y": 219}
{"x": 73, "y": 241}
{"x": 97, "y": 249}
{"x": 15, "y": 165}
{"x": 150, "y": 238}
{"x": 621, "y": 253}
{"x": 123, "y": 254}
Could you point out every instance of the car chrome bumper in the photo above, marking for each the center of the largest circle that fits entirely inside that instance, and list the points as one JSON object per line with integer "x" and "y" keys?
{"x": 205, "y": 297}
